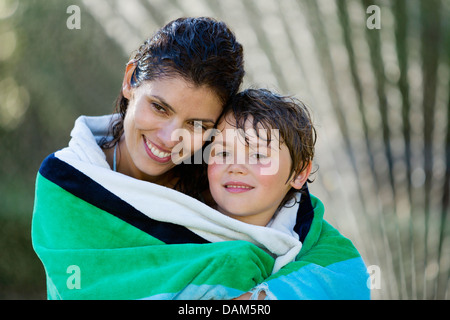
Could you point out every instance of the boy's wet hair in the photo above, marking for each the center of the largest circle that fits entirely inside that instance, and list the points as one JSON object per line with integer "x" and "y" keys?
{"x": 269, "y": 110}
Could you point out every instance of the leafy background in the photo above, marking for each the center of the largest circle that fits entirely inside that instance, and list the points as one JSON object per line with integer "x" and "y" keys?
{"x": 380, "y": 100}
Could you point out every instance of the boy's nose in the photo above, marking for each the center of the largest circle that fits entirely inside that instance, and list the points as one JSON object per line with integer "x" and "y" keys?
{"x": 237, "y": 168}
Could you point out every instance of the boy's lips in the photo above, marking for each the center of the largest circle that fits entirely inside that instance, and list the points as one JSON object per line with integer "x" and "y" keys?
{"x": 155, "y": 152}
{"x": 237, "y": 187}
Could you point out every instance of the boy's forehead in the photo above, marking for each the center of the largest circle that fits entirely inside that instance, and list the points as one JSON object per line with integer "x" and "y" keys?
{"x": 227, "y": 130}
{"x": 229, "y": 123}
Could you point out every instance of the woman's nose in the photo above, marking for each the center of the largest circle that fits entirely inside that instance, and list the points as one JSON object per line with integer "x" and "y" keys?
{"x": 168, "y": 133}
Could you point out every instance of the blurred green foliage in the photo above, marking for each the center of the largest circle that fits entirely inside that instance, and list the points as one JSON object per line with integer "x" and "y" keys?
{"x": 59, "y": 74}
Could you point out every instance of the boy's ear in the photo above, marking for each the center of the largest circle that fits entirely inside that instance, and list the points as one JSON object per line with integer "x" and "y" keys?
{"x": 126, "y": 84}
{"x": 300, "y": 179}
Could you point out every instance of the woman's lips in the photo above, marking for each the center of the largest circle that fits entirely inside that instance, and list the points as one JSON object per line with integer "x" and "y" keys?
{"x": 155, "y": 152}
{"x": 237, "y": 187}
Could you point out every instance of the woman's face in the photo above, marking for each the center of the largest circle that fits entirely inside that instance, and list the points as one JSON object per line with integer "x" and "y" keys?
{"x": 159, "y": 112}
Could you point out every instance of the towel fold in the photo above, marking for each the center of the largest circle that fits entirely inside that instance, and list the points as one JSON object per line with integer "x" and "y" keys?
{"x": 131, "y": 239}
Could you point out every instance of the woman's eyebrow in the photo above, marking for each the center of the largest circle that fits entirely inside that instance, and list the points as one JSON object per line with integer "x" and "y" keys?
{"x": 163, "y": 102}
{"x": 168, "y": 106}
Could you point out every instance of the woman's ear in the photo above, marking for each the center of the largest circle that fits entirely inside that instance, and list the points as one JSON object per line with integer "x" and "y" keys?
{"x": 300, "y": 179}
{"x": 126, "y": 84}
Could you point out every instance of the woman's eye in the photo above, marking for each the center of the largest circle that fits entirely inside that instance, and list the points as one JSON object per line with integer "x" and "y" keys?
{"x": 158, "y": 108}
{"x": 199, "y": 125}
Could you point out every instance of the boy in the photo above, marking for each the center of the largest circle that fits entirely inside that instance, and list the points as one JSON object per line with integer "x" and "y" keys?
{"x": 259, "y": 163}
{"x": 262, "y": 156}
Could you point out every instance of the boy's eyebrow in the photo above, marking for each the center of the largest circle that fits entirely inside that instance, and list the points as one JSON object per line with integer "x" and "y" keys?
{"x": 259, "y": 145}
{"x": 168, "y": 106}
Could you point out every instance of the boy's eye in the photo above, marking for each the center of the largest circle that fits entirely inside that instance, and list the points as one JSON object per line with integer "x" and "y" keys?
{"x": 259, "y": 156}
{"x": 222, "y": 154}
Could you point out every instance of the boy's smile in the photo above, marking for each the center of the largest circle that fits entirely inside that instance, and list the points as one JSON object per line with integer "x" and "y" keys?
{"x": 237, "y": 187}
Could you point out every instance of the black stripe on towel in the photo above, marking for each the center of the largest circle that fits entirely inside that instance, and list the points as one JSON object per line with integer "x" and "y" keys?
{"x": 305, "y": 214}
{"x": 83, "y": 187}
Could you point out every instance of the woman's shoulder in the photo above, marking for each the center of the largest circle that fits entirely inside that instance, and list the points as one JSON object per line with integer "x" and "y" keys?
{"x": 83, "y": 145}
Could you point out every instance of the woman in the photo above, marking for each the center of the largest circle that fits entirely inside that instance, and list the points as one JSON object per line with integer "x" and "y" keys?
{"x": 103, "y": 231}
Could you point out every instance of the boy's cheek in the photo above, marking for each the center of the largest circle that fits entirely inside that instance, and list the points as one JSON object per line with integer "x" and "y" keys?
{"x": 269, "y": 168}
{"x": 213, "y": 172}
{"x": 267, "y": 181}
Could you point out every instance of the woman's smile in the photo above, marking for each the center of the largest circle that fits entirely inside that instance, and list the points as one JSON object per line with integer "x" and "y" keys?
{"x": 155, "y": 152}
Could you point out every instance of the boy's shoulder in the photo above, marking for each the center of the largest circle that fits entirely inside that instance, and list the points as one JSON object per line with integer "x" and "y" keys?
{"x": 324, "y": 237}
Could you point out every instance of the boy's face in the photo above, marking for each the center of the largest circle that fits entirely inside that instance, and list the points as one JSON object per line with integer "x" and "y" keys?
{"x": 239, "y": 181}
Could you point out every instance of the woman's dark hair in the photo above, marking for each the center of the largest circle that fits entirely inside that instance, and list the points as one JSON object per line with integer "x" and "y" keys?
{"x": 203, "y": 51}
